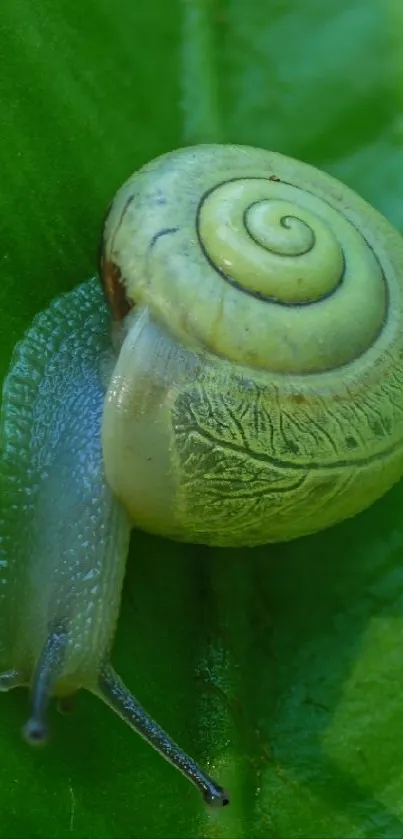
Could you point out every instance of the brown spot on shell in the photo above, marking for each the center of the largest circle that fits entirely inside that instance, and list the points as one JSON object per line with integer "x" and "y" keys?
{"x": 114, "y": 289}
{"x": 110, "y": 273}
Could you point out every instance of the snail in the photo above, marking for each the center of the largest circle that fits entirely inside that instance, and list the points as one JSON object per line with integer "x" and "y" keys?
{"x": 234, "y": 379}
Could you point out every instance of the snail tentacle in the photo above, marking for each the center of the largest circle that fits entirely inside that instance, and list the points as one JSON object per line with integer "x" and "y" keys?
{"x": 114, "y": 693}
{"x": 46, "y": 675}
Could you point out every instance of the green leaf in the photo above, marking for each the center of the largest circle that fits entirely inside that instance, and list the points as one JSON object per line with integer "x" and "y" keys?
{"x": 278, "y": 668}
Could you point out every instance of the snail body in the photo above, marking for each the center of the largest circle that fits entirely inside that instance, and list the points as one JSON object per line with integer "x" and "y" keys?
{"x": 64, "y": 536}
{"x": 246, "y": 389}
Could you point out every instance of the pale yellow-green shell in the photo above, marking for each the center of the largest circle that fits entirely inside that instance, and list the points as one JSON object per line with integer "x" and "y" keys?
{"x": 258, "y": 395}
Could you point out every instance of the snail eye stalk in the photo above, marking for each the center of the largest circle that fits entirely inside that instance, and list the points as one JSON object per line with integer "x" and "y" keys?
{"x": 46, "y": 674}
{"x": 114, "y": 693}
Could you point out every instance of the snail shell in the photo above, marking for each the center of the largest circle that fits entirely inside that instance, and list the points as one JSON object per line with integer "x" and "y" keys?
{"x": 258, "y": 391}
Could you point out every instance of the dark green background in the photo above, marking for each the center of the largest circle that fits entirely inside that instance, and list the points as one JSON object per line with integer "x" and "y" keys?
{"x": 281, "y": 668}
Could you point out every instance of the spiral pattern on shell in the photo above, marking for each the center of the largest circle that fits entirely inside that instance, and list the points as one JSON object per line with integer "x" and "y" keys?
{"x": 252, "y": 256}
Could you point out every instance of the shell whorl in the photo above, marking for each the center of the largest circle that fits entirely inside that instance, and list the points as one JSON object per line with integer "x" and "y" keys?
{"x": 252, "y": 256}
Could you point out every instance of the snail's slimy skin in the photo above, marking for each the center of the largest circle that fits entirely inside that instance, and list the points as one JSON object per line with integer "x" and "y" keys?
{"x": 63, "y": 533}
{"x": 258, "y": 394}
